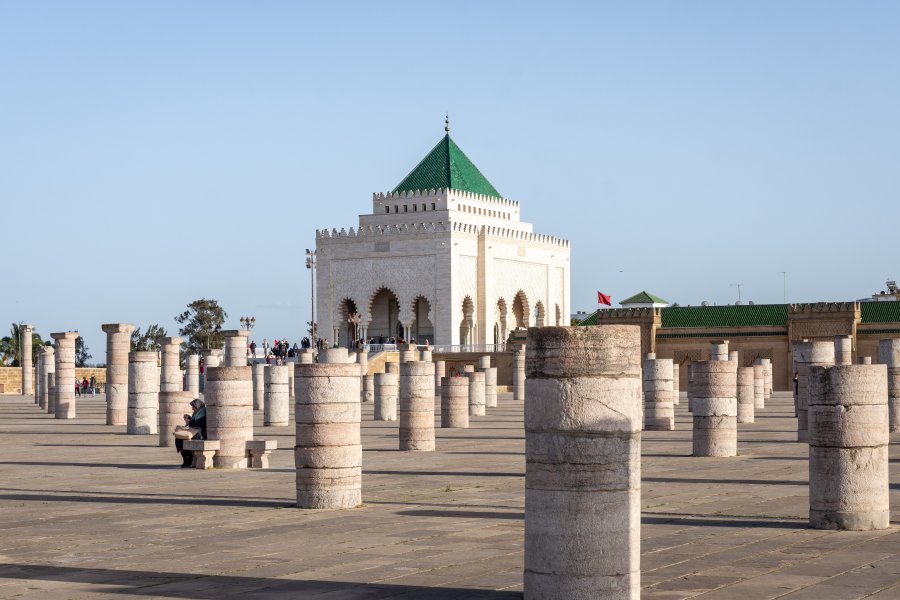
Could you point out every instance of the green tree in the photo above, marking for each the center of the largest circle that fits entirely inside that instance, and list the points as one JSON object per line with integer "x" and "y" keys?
{"x": 81, "y": 352}
{"x": 9, "y": 347}
{"x": 201, "y": 325}
{"x": 149, "y": 340}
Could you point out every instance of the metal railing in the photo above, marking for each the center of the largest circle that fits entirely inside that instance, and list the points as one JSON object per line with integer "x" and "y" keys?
{"x": 382, "y": 347}
{"x": 446, "y": 349}
{"x": 441, "y": 348}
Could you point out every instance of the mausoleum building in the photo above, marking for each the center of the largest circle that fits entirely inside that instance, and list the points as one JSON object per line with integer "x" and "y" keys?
{"x": 443, "y": 257}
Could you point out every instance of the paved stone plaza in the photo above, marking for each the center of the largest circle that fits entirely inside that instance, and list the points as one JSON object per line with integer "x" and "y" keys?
{"x": 89, "y": 512}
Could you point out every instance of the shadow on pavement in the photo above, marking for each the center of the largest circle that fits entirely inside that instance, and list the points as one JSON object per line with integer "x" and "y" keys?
{"x": 211, "y": 587}
{"x": 195, "y": 501}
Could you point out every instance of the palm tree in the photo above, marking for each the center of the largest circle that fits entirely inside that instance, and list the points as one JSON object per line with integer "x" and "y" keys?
{"x": 9, "y": 347}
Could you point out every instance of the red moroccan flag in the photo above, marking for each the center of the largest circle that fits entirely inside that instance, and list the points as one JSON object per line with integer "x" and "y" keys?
{"x": 604, "y": 299}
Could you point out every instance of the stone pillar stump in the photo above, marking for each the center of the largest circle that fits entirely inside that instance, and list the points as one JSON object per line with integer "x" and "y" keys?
{"x": 229, "y": 414}
{"x": 848, "y": 447}
{"x": 328, "y": 451}
{"x": 143, "y": 394}
{"x": 715, "y": 409}
{"x": 64, "y": 406}
{"x": 417, "y": 406}
{"x": 582, "y": 476}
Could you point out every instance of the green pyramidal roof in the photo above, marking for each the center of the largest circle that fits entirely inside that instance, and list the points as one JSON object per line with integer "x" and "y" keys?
{"x": 644, "y": 298}
{"x": 446, "y": 166}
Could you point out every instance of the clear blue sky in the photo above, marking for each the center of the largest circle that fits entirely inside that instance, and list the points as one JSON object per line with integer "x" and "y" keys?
{"x": 156, "y": 152}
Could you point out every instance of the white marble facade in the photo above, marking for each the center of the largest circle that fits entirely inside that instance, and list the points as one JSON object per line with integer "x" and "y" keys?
{"x": 449, "y": 266}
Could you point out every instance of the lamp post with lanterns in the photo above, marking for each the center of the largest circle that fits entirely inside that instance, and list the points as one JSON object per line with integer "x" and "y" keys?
{"x": 248, "y": 323}
{"x": 311, "y": 265}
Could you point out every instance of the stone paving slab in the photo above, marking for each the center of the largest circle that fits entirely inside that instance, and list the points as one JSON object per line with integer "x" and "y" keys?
{"x": 87, "y": 512}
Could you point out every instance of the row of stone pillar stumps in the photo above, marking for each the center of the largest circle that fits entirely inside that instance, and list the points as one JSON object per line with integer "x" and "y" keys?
{"x": 329, "y": 398}
{"x": 588, "y": 393}
{"x": 583, "y": 421}
{"x": 149, "y": 394}
{"x": 721, "y": 394}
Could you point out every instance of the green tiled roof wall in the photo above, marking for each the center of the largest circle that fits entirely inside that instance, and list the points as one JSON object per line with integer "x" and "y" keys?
{"x": 743, "y": 315}
{"x": 880, "y": 312}
{"x": 756, "y": 315}
{"x": 446, "y": 166}
{"x": 590, "y": 319}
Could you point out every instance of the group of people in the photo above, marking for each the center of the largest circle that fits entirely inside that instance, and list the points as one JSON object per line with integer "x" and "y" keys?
{"x": 280, "y": 350}
{"x": 84, "y": 386}
{"x": 321, "y": 343}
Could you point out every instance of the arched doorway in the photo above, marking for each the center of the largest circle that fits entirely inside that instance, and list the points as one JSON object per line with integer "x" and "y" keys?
{"x": 520, "y": 310}
{"x": 467, "y": 324}
{"x": 385, "y": 312}
{"x": 348, "y": 328}
{"x": 539, "y": 314}
{"x": 422, "y": 327}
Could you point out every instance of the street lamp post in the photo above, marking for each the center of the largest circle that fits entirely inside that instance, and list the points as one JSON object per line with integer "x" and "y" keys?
{"x": 311, "y": 265}
{"x": 248, "y": 323}
{"x": 354, "y": 319}
{"x": 19, "y": 348}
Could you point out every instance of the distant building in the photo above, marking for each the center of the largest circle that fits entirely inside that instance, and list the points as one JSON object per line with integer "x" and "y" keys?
{"x": 644, "y": 300}
{"x": 683, "y": 333}
{"x": 892, "y": 293}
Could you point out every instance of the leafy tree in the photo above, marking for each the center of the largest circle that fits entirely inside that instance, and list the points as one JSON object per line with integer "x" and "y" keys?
{"x": 309, "y": 330}
{"x": 9, "y": 347}
{"x": 81, "y": 352}
{"x": 149, "y": 340}
{"x": 201, "y": 325}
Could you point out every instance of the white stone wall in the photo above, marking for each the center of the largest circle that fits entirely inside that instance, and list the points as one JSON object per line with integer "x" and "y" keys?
{"x": 467, "y": 245}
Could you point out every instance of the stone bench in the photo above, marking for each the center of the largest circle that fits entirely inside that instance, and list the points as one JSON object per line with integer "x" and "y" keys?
{"x": 258, "y": 452}
{"x": 203, "y": 450}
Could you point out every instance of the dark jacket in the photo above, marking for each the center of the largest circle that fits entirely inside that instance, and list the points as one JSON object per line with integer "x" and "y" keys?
{"x": 198, "y": 419}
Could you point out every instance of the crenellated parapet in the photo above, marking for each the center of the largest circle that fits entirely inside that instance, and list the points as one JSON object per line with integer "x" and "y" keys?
{"x": 445, "y": 192}
{"x": 805, "y": 308}
{"x": 635, "y": 313}
{"x": 437, "y": 227}
{"x": 378, "y": 230}
{"x": 823, "y": 319}
{"x": 507, "y": 233}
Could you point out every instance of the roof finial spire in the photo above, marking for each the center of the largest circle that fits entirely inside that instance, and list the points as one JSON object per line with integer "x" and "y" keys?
{"x": 447, "y": 123}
